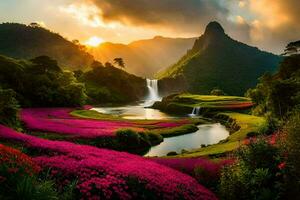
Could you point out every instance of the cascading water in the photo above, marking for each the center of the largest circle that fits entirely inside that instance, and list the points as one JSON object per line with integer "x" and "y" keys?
{"x": 152, "y": 92}
{"x": 195, "y": 111}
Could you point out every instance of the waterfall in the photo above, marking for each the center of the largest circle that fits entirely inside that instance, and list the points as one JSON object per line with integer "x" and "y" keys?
{"x": 152, "y": 92}
{"x": 195, "y": 111}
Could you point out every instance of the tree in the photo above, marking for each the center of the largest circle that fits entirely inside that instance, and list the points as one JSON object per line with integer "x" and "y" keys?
{"x": 217, "y": 92}
{"x": 292, "y": 48}
{"x": 119, "y": 62}
{"x": 108, "y": 64}
{"x": 45, "y": 64}
{"x": 96, "y": 64}
{"x": 35, "y": 25}
{"x": 9, "y": 108}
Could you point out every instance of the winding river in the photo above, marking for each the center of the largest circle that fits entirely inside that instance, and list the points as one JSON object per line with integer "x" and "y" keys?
{"x": 206, "y": 134}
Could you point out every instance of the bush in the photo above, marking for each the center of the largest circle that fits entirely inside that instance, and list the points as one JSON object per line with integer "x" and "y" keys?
{"x": 217, "y": 92}
{"x": 258, "y": 174}
{"x": 128, "y": 137}
{"x": 154, "y": 138}
{"x": 8, "y": 108}
{"x": 292, "y": 130}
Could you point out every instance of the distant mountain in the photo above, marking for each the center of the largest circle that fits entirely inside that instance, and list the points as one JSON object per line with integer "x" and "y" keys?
{"x": 145, "y": 57}
{"x": 217, "y": 61}
{"x": 26, "y": 42}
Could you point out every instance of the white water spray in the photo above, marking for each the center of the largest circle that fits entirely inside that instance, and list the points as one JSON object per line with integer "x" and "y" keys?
{"x": 152, "y": 92}
{"x": 195, "y": 111}
{"x": 153, "y": 89}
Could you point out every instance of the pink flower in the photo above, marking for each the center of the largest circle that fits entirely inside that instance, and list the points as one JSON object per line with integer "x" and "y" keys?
{"x": 108, "y": 174}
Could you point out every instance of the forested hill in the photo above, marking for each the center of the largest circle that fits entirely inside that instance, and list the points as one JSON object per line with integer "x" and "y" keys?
{"x": 218, "y": 61}
{"x": 26, "y": 42}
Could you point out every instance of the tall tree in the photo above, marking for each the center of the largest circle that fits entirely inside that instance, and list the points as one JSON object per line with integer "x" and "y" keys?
{"x": 119, "y": 62}
{"x": 292, "y": 48}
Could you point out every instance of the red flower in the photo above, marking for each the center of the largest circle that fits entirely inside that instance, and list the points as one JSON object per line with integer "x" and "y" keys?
{"x": 13, "y": 170}
{"x": 16, "y": 160}
{"x": 281, "y": 165}
{"x": 246, "y": 142}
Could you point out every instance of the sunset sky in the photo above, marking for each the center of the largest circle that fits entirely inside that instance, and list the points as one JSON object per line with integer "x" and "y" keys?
{"x": 268, "y": 24}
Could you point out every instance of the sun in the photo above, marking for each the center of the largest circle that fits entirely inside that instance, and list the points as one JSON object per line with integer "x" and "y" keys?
{"x": 94, "y": 41}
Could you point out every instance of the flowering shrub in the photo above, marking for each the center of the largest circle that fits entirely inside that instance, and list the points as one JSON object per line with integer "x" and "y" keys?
{"x": 205, "y": 171}
{"x": 13, "y": 161}
{"x": 109, "y": 174}
{"x": 259, "y": 165}
{"x": 18, "y": 177}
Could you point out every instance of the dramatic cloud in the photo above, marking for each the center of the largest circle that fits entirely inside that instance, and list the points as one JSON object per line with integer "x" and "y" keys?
{"x": 268, "y": 24}
{"x": 276, "y": 21}
{"x": 174, "y": 14}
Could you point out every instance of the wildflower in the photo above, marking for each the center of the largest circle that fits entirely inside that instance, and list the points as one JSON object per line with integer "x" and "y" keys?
{"x": 109, "y": 173}
{"x": 246, "y": 142}
{"x": 281, "y": 166}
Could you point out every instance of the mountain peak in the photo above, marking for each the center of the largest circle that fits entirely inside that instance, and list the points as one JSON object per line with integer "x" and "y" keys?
{"x": 214, "y": 28}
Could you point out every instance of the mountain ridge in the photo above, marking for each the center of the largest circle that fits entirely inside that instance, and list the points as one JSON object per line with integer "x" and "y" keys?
{"x": 144, "y": 57}
{"x": 218, "y": 61}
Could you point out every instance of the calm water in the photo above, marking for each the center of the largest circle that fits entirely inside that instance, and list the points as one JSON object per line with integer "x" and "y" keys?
{"x": 135, "y": 111}
{"x": 207, "y": 134}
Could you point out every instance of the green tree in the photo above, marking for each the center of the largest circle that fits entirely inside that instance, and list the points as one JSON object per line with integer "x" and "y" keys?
{"x": 9, "y": 108}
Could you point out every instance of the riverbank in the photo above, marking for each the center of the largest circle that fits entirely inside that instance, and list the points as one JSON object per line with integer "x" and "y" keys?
{"x": 185, "y": 102}
{"x": 243, "y": 124}
{"x": 231, "y": 111}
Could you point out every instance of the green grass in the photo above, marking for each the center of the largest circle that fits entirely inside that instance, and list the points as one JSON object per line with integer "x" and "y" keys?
{"x": 149, "y": 125}
{"x": 92, "y": 114}
{"x": 247, "y": 123}
{"x": 175, "y": 131}
{"x": 202, "y": 98}
{"x": 209, "y": 101}
{"x": 184, "y": 103}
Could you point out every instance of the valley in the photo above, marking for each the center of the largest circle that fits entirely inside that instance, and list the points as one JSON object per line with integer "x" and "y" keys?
{"x": 171, "y": 118}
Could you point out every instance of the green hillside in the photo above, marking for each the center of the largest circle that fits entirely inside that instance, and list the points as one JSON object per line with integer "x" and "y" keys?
{"x": 25, "y": 42}
{"x": 218, "y": 61}
{"x": 41, "y": 82}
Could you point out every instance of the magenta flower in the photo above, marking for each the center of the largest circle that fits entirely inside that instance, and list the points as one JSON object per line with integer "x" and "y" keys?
{"x": 107, "y": 174}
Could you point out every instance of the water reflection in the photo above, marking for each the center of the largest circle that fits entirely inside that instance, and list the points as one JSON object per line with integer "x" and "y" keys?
{"x": 207, "y": 134}
{"x": 134, "y": 112}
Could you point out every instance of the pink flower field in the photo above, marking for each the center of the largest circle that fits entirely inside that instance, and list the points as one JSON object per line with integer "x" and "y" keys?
{"x": 107, "y": 174}
{"x": 188, "y": 165}
{"x": 58, "y": 120}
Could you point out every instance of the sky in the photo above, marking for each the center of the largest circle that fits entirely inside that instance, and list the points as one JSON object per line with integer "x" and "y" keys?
{"x": 267, "y": 24}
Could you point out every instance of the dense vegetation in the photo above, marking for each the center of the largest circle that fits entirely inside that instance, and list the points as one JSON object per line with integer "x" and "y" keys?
{"x": 109, "y": 84}
{"x": 278, "y": 95}
{"x": 9, "y": 108}
{"x": 271, "y": 163}
{"x": 41, "y": 82}
{"x": 37, "y": 41}
{"x": 217, "y": 61}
